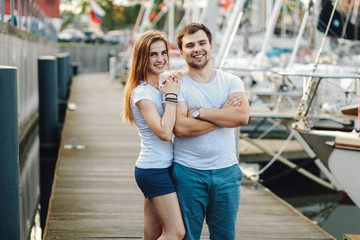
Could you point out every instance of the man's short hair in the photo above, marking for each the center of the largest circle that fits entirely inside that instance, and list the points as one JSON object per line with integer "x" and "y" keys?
{"x": 192, "y": 28}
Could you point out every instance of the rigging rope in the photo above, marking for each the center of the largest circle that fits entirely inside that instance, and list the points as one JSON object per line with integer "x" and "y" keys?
{"x": 301, "y": 112}
{"x": 276, "y": 155}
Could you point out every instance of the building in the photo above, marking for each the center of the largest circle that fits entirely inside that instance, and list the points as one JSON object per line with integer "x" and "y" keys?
{"x": 43, "y": 9}
{"x": 49, "y": 7}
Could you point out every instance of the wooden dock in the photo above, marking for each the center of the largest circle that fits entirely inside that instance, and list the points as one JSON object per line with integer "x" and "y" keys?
{"x": 251, "y": 154}
{"x": 94, "y": 192}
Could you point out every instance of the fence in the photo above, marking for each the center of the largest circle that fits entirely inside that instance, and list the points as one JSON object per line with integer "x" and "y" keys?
{"x": 21, "y": 50}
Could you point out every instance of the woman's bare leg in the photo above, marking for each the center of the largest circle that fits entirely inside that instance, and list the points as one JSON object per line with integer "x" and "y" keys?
{"x": 167, "y": 209}
{"x": 152, "y": 226}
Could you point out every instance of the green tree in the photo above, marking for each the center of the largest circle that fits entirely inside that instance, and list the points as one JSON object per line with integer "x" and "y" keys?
{"x": 119, "y": 17}
{"x": 116, "y": 16}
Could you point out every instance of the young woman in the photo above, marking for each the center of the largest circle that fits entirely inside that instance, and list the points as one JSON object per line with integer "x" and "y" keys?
{"x": 152, "y": 106}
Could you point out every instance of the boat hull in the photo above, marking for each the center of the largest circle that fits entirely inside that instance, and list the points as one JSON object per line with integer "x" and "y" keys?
{"x": 340, "y": 153}
{"x": 344, "y": 164}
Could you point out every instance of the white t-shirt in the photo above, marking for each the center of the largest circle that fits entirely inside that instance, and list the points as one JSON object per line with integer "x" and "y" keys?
{"x": 155, "y": 153}
{"x": 215, "y": 149}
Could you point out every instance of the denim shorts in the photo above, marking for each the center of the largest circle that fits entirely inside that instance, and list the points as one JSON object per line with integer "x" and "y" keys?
{"x": 154, "y": 181}
{"x": 213, "y": 195}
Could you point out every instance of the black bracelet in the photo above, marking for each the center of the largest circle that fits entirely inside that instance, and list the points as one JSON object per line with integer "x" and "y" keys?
{"x": 171, "y": 94}
{"x": 168, "y": 98}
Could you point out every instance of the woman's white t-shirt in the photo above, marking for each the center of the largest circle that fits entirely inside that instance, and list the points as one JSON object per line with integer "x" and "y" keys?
{"x": 155, "y": 153}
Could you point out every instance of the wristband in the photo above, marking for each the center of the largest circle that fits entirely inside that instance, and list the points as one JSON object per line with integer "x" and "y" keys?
{"x": 171, "y": 94}
{"x": 168, "y": 98}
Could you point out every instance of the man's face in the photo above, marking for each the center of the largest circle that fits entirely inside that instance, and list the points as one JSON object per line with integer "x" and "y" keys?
{"x": 196, "y": 49}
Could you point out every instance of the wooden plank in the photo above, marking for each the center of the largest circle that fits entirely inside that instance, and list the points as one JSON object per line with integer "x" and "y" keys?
{"x": 272, "y": 144}
{"x": 251, "y": 154}
{"x": 94, "y": 192}
{"x": 351, "y": 237}
{"x": 350, "y": 110}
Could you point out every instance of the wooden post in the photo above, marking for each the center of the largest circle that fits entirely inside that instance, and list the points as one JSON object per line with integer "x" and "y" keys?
{"x": 63, "y": 75}
{"x": 63, "y": 84}
{"x": 68, "y": 73}
{"x": 9, "y": 155}
{"x": 48, "y": 129}
{"x": 48, "y": 109}
{"x": 75, "y": 68}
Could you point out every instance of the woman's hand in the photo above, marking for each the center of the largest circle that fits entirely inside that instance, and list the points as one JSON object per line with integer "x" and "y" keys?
{"x": 172, "y": 83}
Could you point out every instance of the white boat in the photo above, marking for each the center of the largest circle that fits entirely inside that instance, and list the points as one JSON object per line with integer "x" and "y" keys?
{"x": 339, "y": 151}
{"x": 340, "y": 154}
{"x": 344, "y": 163}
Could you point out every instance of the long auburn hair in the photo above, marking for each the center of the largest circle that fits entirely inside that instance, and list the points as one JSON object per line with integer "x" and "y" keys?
{"x": 139, "y": 67}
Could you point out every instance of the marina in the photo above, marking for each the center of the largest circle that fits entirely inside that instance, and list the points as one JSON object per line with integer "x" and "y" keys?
{"x": 95, "y": 195}
{"x": 67, "y": 160}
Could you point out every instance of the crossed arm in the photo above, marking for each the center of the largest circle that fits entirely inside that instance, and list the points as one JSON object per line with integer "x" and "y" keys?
{"x": 234, "y": 113}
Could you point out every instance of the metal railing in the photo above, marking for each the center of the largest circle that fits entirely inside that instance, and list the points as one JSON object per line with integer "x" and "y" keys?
{"x": 29, "y": 17}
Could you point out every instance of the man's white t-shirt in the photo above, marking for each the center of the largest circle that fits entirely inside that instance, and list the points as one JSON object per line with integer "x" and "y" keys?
{"x": 215, "y": 149}
{"x": 155, "y": 153}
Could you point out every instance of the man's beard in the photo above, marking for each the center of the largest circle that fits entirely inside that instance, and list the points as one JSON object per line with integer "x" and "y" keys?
{"x": 196, "y": 66}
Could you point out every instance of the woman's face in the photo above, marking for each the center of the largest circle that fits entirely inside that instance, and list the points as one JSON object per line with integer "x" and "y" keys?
{"x": 158, "y": 58}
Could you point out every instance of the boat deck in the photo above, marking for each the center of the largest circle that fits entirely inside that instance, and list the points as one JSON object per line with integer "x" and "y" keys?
{"x": 94, "y": 192}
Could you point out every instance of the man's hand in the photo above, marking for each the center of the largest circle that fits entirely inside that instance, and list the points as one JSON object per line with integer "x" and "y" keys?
{"x": 190, "y": 112}
{"x": 187, "y": 126}
{"x": 233, "y": 113}
{"x": 232, "y": 101}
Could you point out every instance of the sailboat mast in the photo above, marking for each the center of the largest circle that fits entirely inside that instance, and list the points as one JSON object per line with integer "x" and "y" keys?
{"x": 300, "y": 34}
{"x": 230, "y": 32}
{"x": 146, "y": 17}
{"x": 171, "y": 21}
{"x": 269, "y": 31}
{"x": 299, "y": 120}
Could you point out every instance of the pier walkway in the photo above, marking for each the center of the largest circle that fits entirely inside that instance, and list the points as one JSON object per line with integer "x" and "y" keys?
{"x": 94, "y": 193}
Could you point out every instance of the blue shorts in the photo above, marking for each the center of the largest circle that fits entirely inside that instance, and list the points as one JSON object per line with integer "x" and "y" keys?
{"x": 211, "y": 194}
{"x": 154, "y": 181}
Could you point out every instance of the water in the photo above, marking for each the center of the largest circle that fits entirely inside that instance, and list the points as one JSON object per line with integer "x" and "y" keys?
{"x": 332, "y": 211}
{"x": 343, "y": 219}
